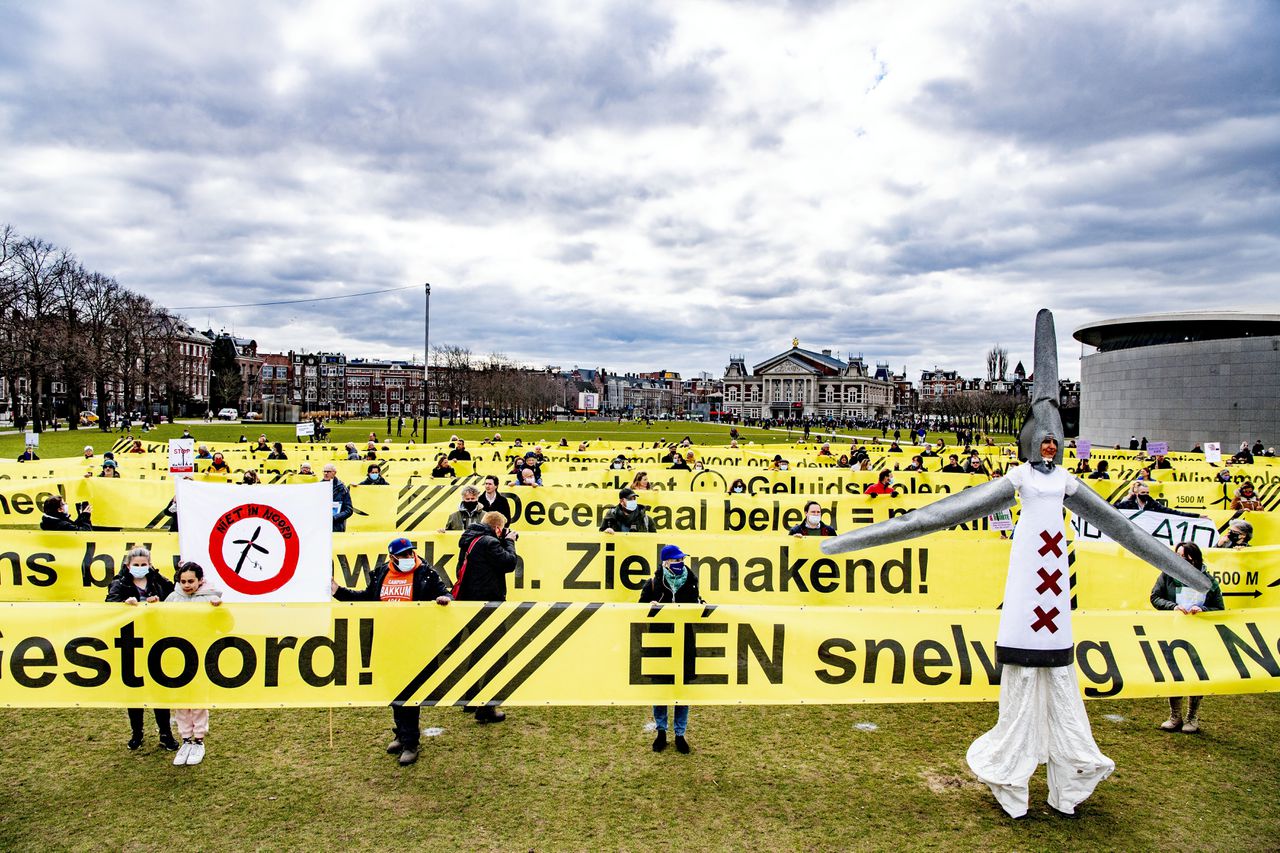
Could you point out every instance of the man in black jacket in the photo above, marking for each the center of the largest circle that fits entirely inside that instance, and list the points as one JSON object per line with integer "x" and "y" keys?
{"x": 1140, "y": 498}
{"x": 672, "y": 583}
{"x": 56, "y": 516}
{"x": 487, "y": 555}
{"x": 629, "y": 516}
{"x": 405, "y": 577}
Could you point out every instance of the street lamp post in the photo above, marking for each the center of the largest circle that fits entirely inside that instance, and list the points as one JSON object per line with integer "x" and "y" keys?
{"x": 426, "y": 351}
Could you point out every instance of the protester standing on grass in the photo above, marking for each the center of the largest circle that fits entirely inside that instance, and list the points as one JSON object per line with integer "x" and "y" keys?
{"x": 487, "y": 554}
{"x": 405, "y": 577}
{"x": 193, "y": 723}
{"x": 1170, "y": 594}
{"x": 672, "y": 583}
{"x": 140, "y": 583}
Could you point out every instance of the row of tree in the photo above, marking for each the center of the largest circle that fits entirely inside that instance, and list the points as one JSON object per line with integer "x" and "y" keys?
{"x": 493, "y": 389}
{"x": 61, "y": 323}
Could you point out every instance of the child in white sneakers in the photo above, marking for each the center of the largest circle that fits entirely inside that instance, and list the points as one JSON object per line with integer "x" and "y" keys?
{"x": 193, "y": 723}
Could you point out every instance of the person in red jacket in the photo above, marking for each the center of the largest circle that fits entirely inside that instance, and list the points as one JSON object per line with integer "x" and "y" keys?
{"x": 883, "y": 486}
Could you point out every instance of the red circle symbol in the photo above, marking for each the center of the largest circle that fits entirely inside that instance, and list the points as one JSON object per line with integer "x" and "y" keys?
{"x": 267, "y": 515}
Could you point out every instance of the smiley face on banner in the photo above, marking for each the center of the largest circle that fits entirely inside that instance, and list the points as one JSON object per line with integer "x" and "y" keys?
{"x": 254, "y": 549}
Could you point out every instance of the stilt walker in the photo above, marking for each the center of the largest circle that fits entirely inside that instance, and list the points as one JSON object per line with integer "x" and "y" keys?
{"x": 1042, "y": 717}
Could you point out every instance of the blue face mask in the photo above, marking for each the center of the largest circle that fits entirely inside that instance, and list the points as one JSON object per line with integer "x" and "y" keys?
{"x": 676, "y": 568}
{"x": 139, "y": 572}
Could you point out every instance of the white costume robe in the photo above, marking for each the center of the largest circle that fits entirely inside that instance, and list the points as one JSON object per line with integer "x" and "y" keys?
{"x": 1042, "y": 717}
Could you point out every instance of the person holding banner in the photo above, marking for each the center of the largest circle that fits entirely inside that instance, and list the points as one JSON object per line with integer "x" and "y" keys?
{"x": 1245, "y": 499}
{"x": 193, "y": 723}
{"x": 405, "y": 577}
{"x": 488, "y": 550}
{"x": 277, "y": 452}
{"x": 629, "y": 516}
{"x": 813, "y": 525}
{"x": 1170, "y": 594}
{"x": 373, "y": 476}
{"x": 672, "y": 583}
{"x": 29, "y": 455}
{"x": 140, "y": 583}
{"x": 342, "y": 508}
{"x": 493, "y": 501}
{"x": 218, "y": 465}
{"x": 469, "y": 511}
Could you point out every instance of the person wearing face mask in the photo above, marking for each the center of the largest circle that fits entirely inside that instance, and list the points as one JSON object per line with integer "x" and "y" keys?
{"x": 882, "y": 486}
{"x": 619, "y": 463}
{"x": 139, "y": 583}
{"x": 469, "y": 511}
{"x": 738, "y": 487}
{"x": 673, "y": 583}
{"x": 629, "y": 516}
{"x": 405, "y": 577}
{"x": 1169, "y": 594}
{"x": 1246, "y": 498}
{"x": 56, "y": 516}
{"x": 373, "y": 477}
{"x": 813, "y": 525}
{"x": 219, "y": 465}
{"x": 1140, "y": 498}
{"x": 491, "y": 500}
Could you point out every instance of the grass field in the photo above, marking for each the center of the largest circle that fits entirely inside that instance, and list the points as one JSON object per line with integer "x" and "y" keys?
{"x": 72, "y": 442}
{"x": 871, "y": 777}
{"x": 782, "y": 778}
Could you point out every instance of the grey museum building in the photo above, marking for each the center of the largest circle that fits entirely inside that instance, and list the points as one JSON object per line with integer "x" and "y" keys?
{"x": 1185, "y": 378}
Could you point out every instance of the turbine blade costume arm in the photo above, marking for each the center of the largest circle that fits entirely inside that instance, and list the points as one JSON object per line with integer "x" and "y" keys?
{"x": 1090, "y": 506}
{"x": 969, "y": 504}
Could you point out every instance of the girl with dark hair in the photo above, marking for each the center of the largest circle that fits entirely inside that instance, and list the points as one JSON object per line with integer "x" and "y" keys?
{"x": 1169, "y": 594}
{"x": 193, "y": 723}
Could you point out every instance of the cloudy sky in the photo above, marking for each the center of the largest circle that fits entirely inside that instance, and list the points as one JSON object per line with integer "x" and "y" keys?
{"x": 654, "y": 185}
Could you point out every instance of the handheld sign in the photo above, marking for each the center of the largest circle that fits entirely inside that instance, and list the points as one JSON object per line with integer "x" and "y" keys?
{"x": 305, "y": 430}
{"x": 267, "y": 543}
{"x": 1213, "y": 452}
{"x": 1083, "y": 448}
{"x": 1158, "y": 448}
{"x": 33, "y": 439}
{"x": 182, "y": 457}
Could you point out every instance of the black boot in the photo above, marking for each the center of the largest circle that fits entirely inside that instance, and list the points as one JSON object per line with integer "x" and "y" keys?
{"x": 660, "y": 742}
{"x": 135, "y": 741}
{"x": 167, "y": 741}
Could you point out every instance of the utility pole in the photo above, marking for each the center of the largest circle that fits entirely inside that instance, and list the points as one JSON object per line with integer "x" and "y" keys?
{"x": 426, "y": 355}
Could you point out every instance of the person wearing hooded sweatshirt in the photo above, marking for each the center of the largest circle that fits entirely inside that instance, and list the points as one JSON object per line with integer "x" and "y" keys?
{"x": 629, "y": 516}
{"x": 193, "y": 723}
{"x": 488, "y": 555}
{"x": 672, "y": 583}
{"x": 405, "y": 577}
{"x": 56, "y": 516}
{"x": 140, "y": 583}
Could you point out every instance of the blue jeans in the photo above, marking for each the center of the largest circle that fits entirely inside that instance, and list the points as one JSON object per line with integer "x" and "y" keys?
{"x": 682, "y": 718}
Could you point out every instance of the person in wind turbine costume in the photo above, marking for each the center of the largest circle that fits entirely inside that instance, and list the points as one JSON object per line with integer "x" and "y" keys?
{"x": 1042, "y": 717}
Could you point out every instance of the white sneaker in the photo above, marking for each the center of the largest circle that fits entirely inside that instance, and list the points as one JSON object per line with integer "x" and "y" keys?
{"x": 197, "y": 753}
{"x": 183, "y": 751}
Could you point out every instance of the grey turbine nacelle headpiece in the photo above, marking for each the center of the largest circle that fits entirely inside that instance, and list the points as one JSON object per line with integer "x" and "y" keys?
{"x": 1043, "y": 418}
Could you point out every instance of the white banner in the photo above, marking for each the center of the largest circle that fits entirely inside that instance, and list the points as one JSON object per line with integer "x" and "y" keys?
{"x": 259, "y": 543}
{"x": 182, "y": 457}
{"x": 1170, "y": 529}
{"x": 305, "y": 430}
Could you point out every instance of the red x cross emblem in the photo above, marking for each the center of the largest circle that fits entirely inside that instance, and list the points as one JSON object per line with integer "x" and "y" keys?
{"x": 1050, "y": 543}
{"x": 1045, "y": 620}
{"x": 1050, "y": 581}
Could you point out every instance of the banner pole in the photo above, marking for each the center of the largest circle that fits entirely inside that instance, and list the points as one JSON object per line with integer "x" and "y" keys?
{"x": 331, "y": 727}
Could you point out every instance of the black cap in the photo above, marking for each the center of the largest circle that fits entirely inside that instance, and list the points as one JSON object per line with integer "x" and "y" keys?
{"x": 626, "y": 493}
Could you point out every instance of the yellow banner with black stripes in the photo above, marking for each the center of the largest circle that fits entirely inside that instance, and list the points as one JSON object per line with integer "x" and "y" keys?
{"x": 526, "y": 653}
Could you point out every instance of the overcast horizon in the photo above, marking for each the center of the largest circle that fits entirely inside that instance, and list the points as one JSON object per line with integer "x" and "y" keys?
{"x": 647, "y": 186}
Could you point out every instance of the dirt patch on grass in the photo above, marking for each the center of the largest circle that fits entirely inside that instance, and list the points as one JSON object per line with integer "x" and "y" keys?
{"x": 942, "y": 783}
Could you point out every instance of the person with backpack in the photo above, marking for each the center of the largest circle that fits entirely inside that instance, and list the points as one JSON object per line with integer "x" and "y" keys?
{"x": 487, "y": 552}
{"x": 404, "y": 577}
{"x": 672, "y": 583}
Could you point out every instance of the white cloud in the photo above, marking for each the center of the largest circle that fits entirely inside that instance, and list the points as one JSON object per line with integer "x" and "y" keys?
{"x": 637, "y": 186}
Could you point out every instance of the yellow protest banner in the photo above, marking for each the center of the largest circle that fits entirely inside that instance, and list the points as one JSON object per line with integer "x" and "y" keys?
{"x": 267, "y": 655}
{"x": 944, "y": 570}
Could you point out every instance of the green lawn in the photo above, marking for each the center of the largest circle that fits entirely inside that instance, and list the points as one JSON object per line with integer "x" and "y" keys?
{"x": 585, "y": 778}
{"x": 72, "y": 442}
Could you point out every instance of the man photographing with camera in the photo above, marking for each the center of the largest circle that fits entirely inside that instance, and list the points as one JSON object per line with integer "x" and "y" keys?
{"x": 487, "y": 552}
